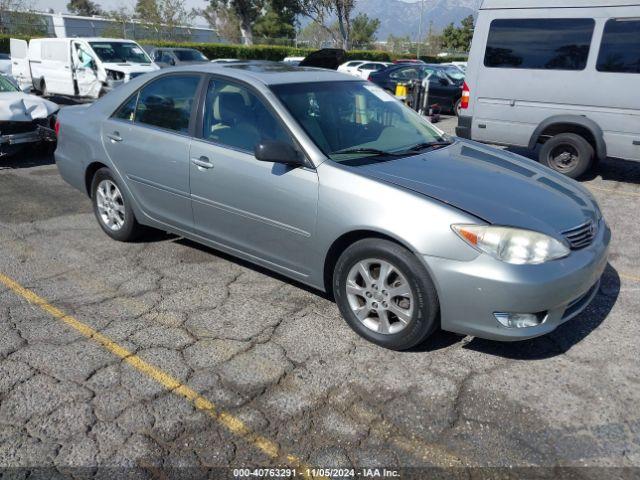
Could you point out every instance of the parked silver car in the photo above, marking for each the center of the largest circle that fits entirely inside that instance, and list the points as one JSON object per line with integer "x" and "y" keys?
{"x": 332, "y": 182}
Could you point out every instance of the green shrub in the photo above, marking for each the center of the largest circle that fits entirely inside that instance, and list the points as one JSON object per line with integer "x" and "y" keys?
{"x": 261, "y": 52}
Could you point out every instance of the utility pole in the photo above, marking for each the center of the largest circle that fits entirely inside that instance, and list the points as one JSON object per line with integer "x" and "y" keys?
{"x": 420, "y": 29}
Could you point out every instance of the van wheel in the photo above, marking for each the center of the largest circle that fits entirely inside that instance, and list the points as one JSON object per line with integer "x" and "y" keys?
{"x": 385, "y": 294}
{"x": 112, "y": 209}
{"x": 567, "y": 153}
{"x": 457, "y": 110}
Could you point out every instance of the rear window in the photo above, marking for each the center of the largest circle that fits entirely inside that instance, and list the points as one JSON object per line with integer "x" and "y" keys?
{"x": 620, "y": 50}
{"x": 547, "y": 44}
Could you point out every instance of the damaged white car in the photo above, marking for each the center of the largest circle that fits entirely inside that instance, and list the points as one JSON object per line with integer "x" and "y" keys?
{"x": 77, "y": 67}
{"x": 24, "y": 119}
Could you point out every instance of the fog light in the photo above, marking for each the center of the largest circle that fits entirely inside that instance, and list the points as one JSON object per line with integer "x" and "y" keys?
{"x": 520, "y": 320}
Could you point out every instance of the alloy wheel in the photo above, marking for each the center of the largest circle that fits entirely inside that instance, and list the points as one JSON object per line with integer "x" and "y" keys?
{"x": 380, "y": 296}
{"x": 110, "y": 205}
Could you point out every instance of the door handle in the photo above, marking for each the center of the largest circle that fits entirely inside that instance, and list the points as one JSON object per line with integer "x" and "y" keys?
{"x": 202, "y": 162}
{"x": 115, "y": 137}
{"x": 636, "y": 142}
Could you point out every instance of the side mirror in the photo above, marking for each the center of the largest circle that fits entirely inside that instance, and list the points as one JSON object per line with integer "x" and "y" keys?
{"x": 278, "y": 152}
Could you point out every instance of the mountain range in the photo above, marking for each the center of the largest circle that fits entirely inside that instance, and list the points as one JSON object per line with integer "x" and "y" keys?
{"x": 401, "y": 18}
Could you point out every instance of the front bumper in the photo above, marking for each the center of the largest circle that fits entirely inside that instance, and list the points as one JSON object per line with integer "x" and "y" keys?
{"x": 39, "y": 134}
{"x": 471, "y": 292}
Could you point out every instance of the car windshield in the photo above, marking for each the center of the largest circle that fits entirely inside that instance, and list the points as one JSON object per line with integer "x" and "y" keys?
{"x": 116, "y": 52}
{"x": 190, "y": 56}
{"x": 350, "y": 121}
{"x": 6, "y": 85}
{"x": 454, "y": 72}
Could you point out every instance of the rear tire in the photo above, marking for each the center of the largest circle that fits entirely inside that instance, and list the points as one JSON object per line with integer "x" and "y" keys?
{"x": 457, "y": 108}
{"x": 112, "y": 208}
{"x": 567, "y": 153}
{"x": 397, "y": 309}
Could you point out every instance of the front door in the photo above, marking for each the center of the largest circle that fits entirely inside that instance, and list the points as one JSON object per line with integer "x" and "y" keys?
{"x": 148, "y": 140}
{"x": 261, "y": 209}
{"x": 85, "y": 70}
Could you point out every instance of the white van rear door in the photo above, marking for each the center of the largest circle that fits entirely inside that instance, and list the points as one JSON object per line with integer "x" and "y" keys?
{"x": 20, "y": 62}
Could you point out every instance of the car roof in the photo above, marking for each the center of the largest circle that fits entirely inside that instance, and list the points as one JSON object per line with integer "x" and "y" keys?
{"x": 513, "y": 4}
{"x": 270, "y": 73}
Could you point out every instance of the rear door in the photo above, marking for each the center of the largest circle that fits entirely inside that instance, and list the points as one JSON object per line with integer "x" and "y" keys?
{"x": 20, "y": 62}
{"x": 148, "y": 140}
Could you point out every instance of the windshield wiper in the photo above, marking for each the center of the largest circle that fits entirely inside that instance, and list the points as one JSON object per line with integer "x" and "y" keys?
{"x": 372, "y": 151}
{"x": 426, "y": 145}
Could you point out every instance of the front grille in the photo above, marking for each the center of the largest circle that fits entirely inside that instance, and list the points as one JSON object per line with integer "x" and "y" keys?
{"x": 582, "y": 236}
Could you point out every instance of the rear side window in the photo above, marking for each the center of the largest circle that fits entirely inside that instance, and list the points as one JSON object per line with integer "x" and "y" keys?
{"x": 55, "y": 51}
{"x": 546, "y": 44}
{"x": 167, "y": 102}
{"x": 620, "y": 50}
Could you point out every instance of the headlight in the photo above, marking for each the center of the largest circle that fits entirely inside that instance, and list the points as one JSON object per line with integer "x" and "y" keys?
{"x": 513, "y": 245}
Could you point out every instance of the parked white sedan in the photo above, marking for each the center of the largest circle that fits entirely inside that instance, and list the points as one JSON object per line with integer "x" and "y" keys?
{"x": 366, "y": 69}
{"x": 351, "y": 67}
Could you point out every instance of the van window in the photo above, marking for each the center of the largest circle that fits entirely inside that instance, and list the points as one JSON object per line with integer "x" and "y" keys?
{"x": 548, "y": 44}
{"x": 167, "y": 102}
{"x": 620, "y": 50}
{"x": 55, "y": 51}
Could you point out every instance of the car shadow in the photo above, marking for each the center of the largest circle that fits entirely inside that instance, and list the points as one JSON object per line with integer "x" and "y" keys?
{"x": 564, "y": 337}
{"x": 246, "y": 264}
{"x": 556, "y": 343}
{"x": 29, "y": 157}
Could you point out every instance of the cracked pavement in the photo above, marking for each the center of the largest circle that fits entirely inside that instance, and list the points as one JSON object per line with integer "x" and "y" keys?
{"x": 278, "y": 357}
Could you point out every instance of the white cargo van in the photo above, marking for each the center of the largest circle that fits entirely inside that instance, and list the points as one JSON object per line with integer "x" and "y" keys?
{"x": 84, "y": 67}
{"x": 563, "y": 74}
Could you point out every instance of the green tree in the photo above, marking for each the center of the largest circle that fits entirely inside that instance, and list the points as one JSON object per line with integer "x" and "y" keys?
{"x": 363, "y": 30}
{"x": 247, "y": 12}
{"x": 458, "y": 39}
{"x": 278, "y": 20}
{"x": 85, "y": 8}
{"x": 320, "y": 10}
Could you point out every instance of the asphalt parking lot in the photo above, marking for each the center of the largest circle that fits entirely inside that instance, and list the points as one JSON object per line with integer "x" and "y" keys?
{"x": 166, "y": 354}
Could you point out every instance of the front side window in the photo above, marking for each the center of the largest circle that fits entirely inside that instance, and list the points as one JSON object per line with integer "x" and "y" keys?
{"x": 352, "y": 121}
{"x": 167, "y": 102}
{"x": 127, "y": 110}
{"x": 118, "y": 52}
{"x": 235, "y": 117}
{"x": 620, "y": 50}
{"x": 547, "y": 44}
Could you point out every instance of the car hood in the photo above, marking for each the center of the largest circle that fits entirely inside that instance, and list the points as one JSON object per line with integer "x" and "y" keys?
{"x": 498, "y": 187}
{"x": 22, "y": 107}
{"x": 131, "y": 67}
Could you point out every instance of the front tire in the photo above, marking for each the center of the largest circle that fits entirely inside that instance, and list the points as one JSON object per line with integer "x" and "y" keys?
{"x": 385, "y": 294}
{"x": 567, "y": 153}
{"x": 112, "y": 209}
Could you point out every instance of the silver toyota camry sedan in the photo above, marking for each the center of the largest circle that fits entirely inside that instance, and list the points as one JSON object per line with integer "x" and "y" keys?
{"x": 330, "y": 181}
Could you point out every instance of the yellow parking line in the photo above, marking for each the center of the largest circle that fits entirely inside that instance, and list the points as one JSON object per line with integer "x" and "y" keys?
{"x": 629, "y": 277}
{"x": 615, "y": 192}
{"x": 229, "y": 421}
